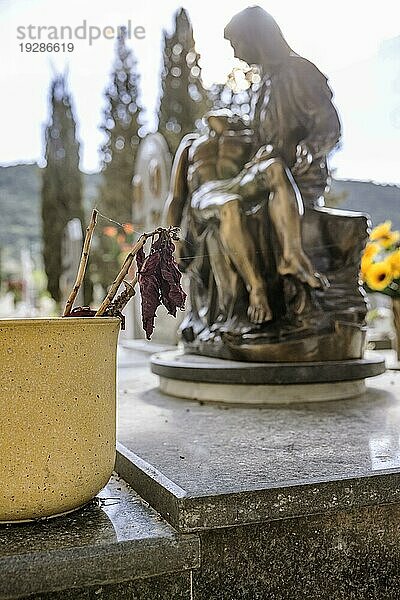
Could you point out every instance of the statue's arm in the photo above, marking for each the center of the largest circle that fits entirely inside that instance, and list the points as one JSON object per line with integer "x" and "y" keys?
{"x": 178, "y": 194}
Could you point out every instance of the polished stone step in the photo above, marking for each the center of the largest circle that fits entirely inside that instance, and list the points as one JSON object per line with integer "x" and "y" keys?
{"x": 289, "y": 502}
{"x": 116, "y": 538}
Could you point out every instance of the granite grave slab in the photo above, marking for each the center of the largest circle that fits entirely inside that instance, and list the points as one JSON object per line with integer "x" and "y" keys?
{"x": 208, "y": 466}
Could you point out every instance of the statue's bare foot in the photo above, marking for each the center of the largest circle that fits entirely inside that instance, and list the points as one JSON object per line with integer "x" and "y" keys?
{"x": 300, "y": 267}
{"x": 259, "y": 310}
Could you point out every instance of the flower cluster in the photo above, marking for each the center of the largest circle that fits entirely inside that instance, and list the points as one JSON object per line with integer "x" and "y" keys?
{"x": 380, "y": 263}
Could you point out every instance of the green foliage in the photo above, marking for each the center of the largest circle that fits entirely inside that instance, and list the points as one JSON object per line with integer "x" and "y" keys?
{"x": 61, "y": 181}
{"x": 183, "y": 100}
{"x": 19, "y": 209}
{"x": 122, "y": 122}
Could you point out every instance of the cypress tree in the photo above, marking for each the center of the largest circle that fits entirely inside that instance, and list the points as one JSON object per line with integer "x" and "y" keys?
{"x": 61, "y": 181}
{"x": 122, "y": 122}
{"x": 183, "y": 99}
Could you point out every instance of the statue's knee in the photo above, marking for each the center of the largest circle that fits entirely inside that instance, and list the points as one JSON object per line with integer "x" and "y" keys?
{"x": 277, "y": 173}
{"x": 231, "y": 209}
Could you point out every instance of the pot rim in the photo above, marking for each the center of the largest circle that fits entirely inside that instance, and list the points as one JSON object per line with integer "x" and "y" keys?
{"x": 44, "y": 320}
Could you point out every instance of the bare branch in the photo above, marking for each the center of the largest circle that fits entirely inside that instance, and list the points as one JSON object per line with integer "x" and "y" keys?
{"x": 83, "y": 263}
{"x": 118, "y": 305}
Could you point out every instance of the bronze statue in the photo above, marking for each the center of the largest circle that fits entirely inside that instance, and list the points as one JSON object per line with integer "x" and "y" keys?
{"x": 261, "y": 253}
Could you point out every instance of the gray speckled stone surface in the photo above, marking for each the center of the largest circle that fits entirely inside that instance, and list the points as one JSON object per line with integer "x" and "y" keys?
{"x": 216, "y": 465}
{"x": 174, "y": 586}
{"x": 352, "y": 555}
{"x": 115, "y": 539}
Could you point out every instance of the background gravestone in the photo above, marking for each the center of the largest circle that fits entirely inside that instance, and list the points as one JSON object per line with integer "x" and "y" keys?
{"x": 71, "y": 254}
{"x": 150, "y": 189}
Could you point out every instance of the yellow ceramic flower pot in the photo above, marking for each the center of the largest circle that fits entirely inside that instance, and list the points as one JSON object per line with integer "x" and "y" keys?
{"x": 57, "y": 413}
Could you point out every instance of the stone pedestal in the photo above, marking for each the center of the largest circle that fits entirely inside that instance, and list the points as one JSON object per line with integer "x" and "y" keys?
{"x": 216, "y": 380}
{"x": 287, "y": 502}
{"x": 203, "y": 465}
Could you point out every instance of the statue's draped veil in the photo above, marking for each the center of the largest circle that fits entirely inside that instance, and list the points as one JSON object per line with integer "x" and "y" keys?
{"x": 253, "y": 26}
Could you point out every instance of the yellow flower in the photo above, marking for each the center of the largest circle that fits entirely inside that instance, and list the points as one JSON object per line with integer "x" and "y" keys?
{"x": 394, "y": 260}
{"x": 381, "y": 230}
{"x": 370, "y": 251}
{"x": 379, "y": 275}
{"x": 384, "y": 235}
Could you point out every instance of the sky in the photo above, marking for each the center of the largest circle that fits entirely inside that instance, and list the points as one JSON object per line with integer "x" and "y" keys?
{"x": 345, "y": 42}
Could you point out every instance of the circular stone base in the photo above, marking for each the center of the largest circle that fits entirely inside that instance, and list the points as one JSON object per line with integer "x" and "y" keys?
{"x": 216, "y": 380}
{"x": 262, "y": 394}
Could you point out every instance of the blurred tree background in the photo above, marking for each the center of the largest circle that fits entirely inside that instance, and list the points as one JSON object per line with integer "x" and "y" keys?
{"x": 183, "y": 100}
{"x": 122, "y": 123}
{"x": 61, "y": 181}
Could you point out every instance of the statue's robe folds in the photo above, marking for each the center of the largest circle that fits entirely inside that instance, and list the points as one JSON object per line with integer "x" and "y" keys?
{"x": 295, "y": 105}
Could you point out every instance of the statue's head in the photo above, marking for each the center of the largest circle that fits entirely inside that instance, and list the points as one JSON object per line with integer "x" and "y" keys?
{"x": 256, "y": 38}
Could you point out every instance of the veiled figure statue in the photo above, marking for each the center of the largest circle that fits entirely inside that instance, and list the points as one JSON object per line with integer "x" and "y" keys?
{"x": 273, "y": 274}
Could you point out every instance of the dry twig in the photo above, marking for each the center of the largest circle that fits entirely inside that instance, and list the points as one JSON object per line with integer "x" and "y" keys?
{"x": 118, "y": 305}
{"x": 82, "y": 265}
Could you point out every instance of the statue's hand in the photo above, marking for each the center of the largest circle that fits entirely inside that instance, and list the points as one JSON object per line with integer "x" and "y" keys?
{"x": 304, "y": 158}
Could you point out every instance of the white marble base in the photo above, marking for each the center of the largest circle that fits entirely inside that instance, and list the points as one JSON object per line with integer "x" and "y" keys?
{"x": 262, "y": 394}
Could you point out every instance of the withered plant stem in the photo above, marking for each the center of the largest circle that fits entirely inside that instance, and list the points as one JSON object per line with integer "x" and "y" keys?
{"x": 82, "y": 265}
